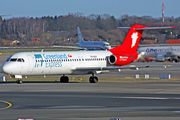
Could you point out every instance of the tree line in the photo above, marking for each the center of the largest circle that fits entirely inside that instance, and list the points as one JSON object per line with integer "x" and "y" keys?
{"x": 93, "y": 27}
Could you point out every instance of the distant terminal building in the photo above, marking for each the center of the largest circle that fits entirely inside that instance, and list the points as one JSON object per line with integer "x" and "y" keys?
{"x": 172, "y": 41}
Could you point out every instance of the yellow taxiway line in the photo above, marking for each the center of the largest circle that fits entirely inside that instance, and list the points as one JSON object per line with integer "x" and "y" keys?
{"x": 9, "y": 104}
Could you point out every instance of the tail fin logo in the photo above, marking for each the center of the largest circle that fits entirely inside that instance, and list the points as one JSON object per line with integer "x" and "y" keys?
{"x": 134, "y": 37}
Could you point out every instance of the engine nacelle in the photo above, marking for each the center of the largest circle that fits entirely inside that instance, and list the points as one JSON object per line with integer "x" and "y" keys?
{"x": 160, "y": 57}
{"x": 120, "y": 59}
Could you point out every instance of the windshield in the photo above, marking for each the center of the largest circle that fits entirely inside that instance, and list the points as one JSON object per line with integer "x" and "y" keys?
{"x": 15, "y": 60}
{"x": 106, "y": 44}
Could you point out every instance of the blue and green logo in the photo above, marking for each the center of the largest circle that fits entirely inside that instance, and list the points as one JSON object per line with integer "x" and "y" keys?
{"x": 39, "y": 60}
{"x": 49, "y": 60}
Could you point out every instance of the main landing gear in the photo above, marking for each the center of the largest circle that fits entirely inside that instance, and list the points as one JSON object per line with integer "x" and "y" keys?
{"x": 64, "y": 79}
{"x": 92, "y": 79}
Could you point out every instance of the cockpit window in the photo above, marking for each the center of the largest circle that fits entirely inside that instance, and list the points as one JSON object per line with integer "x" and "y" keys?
{"x": 16, "y": 60}
{"x": 20, "y": 60}
{"x": 13, "y": 59}
{"x": 10, "y": 59}
{"x": 106, "y": 44}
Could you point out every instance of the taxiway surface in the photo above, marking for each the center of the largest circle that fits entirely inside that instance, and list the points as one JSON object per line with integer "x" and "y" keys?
{"x": 85, "y": 101}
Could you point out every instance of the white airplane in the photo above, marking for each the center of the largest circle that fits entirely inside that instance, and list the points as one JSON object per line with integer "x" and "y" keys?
{"x": 92, "y": 45}
{"x": 160, "y": 53}
{"x": 77, "y": 62}
{"x": 88, "y": 45}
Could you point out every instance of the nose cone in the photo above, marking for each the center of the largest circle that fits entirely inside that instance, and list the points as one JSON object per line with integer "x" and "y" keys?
{"x": 109, "y": 47}
{"x": 6, "y": 68}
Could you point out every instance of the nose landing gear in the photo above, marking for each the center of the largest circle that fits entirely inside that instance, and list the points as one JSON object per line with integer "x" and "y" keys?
{"x": 19, "y": 81}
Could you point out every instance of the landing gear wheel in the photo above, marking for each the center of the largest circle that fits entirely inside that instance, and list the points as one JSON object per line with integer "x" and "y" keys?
{"x": 64, "y": 79}
{"x": 19, "y": 81}
{"x": 93, "y": 79}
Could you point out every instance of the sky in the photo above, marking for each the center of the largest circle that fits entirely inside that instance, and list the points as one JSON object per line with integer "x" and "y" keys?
{"x": 116, "y": 8}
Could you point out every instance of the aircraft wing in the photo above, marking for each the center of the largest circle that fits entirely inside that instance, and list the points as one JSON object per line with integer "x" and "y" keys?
{"x": 115, "y": 68}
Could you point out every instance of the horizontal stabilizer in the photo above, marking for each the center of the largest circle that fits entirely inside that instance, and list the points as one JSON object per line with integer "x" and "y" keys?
{"x": 148, "y": 28}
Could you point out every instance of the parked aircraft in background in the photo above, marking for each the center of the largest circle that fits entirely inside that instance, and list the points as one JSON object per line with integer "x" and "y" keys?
{"x": 159, "y": 53}
{"x": 77, "y": 62}
{"x": 92, "y": 45}
{"x": 88, "y": 45}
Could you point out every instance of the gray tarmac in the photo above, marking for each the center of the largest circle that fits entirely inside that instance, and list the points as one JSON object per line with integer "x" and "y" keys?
{"x": 127, "y": 100}
{"x": 157, "y": 100}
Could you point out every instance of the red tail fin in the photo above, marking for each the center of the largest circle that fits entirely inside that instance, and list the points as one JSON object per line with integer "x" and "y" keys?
{"x": 131, "y": 41}
{"x": 126, "y": 53}
{"x": 133, "y": 37}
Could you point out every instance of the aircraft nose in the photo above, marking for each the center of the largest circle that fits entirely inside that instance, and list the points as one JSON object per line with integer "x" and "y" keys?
{"x": 109, "y": 47}
{"x": 6, "y": 67}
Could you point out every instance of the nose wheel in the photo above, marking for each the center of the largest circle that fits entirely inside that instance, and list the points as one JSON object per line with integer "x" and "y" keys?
{"x": 19, "y": 81}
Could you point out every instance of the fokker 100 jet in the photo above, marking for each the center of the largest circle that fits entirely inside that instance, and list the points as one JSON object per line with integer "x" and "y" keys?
{"x": 77, "y": 62}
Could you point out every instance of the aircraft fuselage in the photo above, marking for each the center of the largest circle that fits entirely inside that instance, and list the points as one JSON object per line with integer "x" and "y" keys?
{"x": 44, "y": 63}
